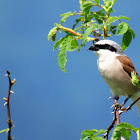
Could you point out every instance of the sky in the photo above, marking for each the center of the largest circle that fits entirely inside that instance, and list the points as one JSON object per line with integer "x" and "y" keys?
{"x": 48, "y": 103}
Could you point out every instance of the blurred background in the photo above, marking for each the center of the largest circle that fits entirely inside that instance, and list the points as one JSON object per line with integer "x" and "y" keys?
{"x": 48, "y": 103}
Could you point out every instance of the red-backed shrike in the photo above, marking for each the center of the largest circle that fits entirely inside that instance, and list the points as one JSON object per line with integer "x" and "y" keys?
{"x": 115, "y": 68}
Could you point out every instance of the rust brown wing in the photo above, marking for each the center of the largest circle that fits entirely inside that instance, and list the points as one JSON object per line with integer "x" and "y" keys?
{"x": 127, "y": 65}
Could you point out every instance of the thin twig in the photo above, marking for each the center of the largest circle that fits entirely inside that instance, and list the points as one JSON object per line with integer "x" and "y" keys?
{"x": 110, "y": 127}
{"x": 129, "y": 107}
{"x": 8, "y": 105}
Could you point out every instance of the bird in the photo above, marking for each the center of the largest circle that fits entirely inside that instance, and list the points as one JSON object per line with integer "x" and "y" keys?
{"x": 115, "y": 67}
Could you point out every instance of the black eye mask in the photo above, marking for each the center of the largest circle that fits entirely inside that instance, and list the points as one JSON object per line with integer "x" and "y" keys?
{"x": 106, "y": 47}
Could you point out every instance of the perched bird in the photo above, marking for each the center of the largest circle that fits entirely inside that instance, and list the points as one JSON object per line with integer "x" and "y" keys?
{"x": 115, "y": 68}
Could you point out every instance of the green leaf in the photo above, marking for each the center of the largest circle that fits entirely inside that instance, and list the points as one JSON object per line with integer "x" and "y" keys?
{"x": 135, "y": 79}
{"x": 110, "y": 20}
{"x": 86, "y": 7}
{"x": 127, "y": 134}
{"x": 89, "y": 31}
{"x": 100, "y": 132}
{"x": 117, "y": 133}
{"x": 99, "y": 16}
{"x": 123, "y": 17}
{"x": 65, "y": 16}
{"x": 113, "y": 29}
{"x": 52, "y": 33}
{"x": 81, "y": 3}
{"x": 77, "y": 21}
{"x": 98, "y": 138}
{"x": 97, "y": 1}
{"x": 4, "y": 130}
{"x": 107, "y": 3}
{"x": 62, "y": 56}
{"x": 86, "y": 33}
{"x": 108, "y": 6}
{"x": 57, "y": 25}
{"x": 122, "y": 28}
{"x": 72, "y": 44}
{"x": 126, "y": 40}
{"x": 59, "y": 42}
{"x": 88, "y": 133}
{"x": 126, "y": 125}
{"x": 132, "y": 32}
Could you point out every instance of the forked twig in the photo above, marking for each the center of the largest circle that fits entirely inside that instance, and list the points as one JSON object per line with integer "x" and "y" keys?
{"x": 117, "y": 112}
{"x": 129, "y": 107}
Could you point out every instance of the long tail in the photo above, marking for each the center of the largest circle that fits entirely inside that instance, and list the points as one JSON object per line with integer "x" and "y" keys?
{"x": 137, "y": 104}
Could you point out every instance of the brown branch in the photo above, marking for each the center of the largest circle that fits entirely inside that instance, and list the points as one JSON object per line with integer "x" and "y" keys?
{"x": 110, "y": 127}
{"x": 129, "y": 107}
{"x": 115, "y": 119}
{"x": 8, "y": 105}
{"x": 71, "y": 31}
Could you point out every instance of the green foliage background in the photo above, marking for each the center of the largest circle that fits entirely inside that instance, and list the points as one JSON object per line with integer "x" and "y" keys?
{"x": 88, "y": 21}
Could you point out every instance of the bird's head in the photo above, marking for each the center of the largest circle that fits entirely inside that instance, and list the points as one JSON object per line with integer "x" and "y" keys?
{"x": 106, "y": 47}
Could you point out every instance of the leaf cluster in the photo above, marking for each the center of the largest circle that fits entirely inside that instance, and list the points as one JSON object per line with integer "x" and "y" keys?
{"x": 121, "y": 130}
{"x": 92, "y": 17}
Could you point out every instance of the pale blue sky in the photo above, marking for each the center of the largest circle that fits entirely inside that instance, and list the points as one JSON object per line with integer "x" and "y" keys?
{"x": 48, "y": 103}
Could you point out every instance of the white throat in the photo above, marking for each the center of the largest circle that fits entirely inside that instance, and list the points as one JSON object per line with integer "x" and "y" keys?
{"x": 105, "y": 55}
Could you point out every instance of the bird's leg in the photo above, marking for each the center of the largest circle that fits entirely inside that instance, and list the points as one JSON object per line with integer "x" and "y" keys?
{"x": 116, "y": 110}
{"x": 116, "y": 105}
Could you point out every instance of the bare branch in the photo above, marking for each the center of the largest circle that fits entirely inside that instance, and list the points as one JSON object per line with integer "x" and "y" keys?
{"x": 11, "y": 83}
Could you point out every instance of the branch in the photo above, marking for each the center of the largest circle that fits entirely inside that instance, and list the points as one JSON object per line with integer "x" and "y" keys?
{"x": 115, "y": 119}
{"x": 129, "y": 107}
{"x": 110, "y": 127}
{"x": 11, "y": 83}
{"x": 70, "y": 30}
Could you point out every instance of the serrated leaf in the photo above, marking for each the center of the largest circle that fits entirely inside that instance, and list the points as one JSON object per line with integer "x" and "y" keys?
{"x": 123, "y": 17}
{"x": 72, "y": 44}
{"x": 52, "y": 34}
{"x": 86, "y": 7}
{"x": 87, "y": 133}
{"x": 59, "y": 42}
{"x": 65, "y": 16}
{"x": 122, "y": 28}
{"x": 126, "y": 40}
{"x": 126, "y": 125}
{"x": 62, "y": 57}
{"x": 126, "y": 133}
{"x": 110, "y": 20}
{"x": 117, "y": 133}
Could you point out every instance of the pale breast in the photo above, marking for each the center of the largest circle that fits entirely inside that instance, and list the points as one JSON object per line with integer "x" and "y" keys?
{"x": 115, "y": 77}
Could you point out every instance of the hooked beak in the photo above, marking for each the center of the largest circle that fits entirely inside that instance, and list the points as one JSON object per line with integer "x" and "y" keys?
{"x": 93, "y": 48}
